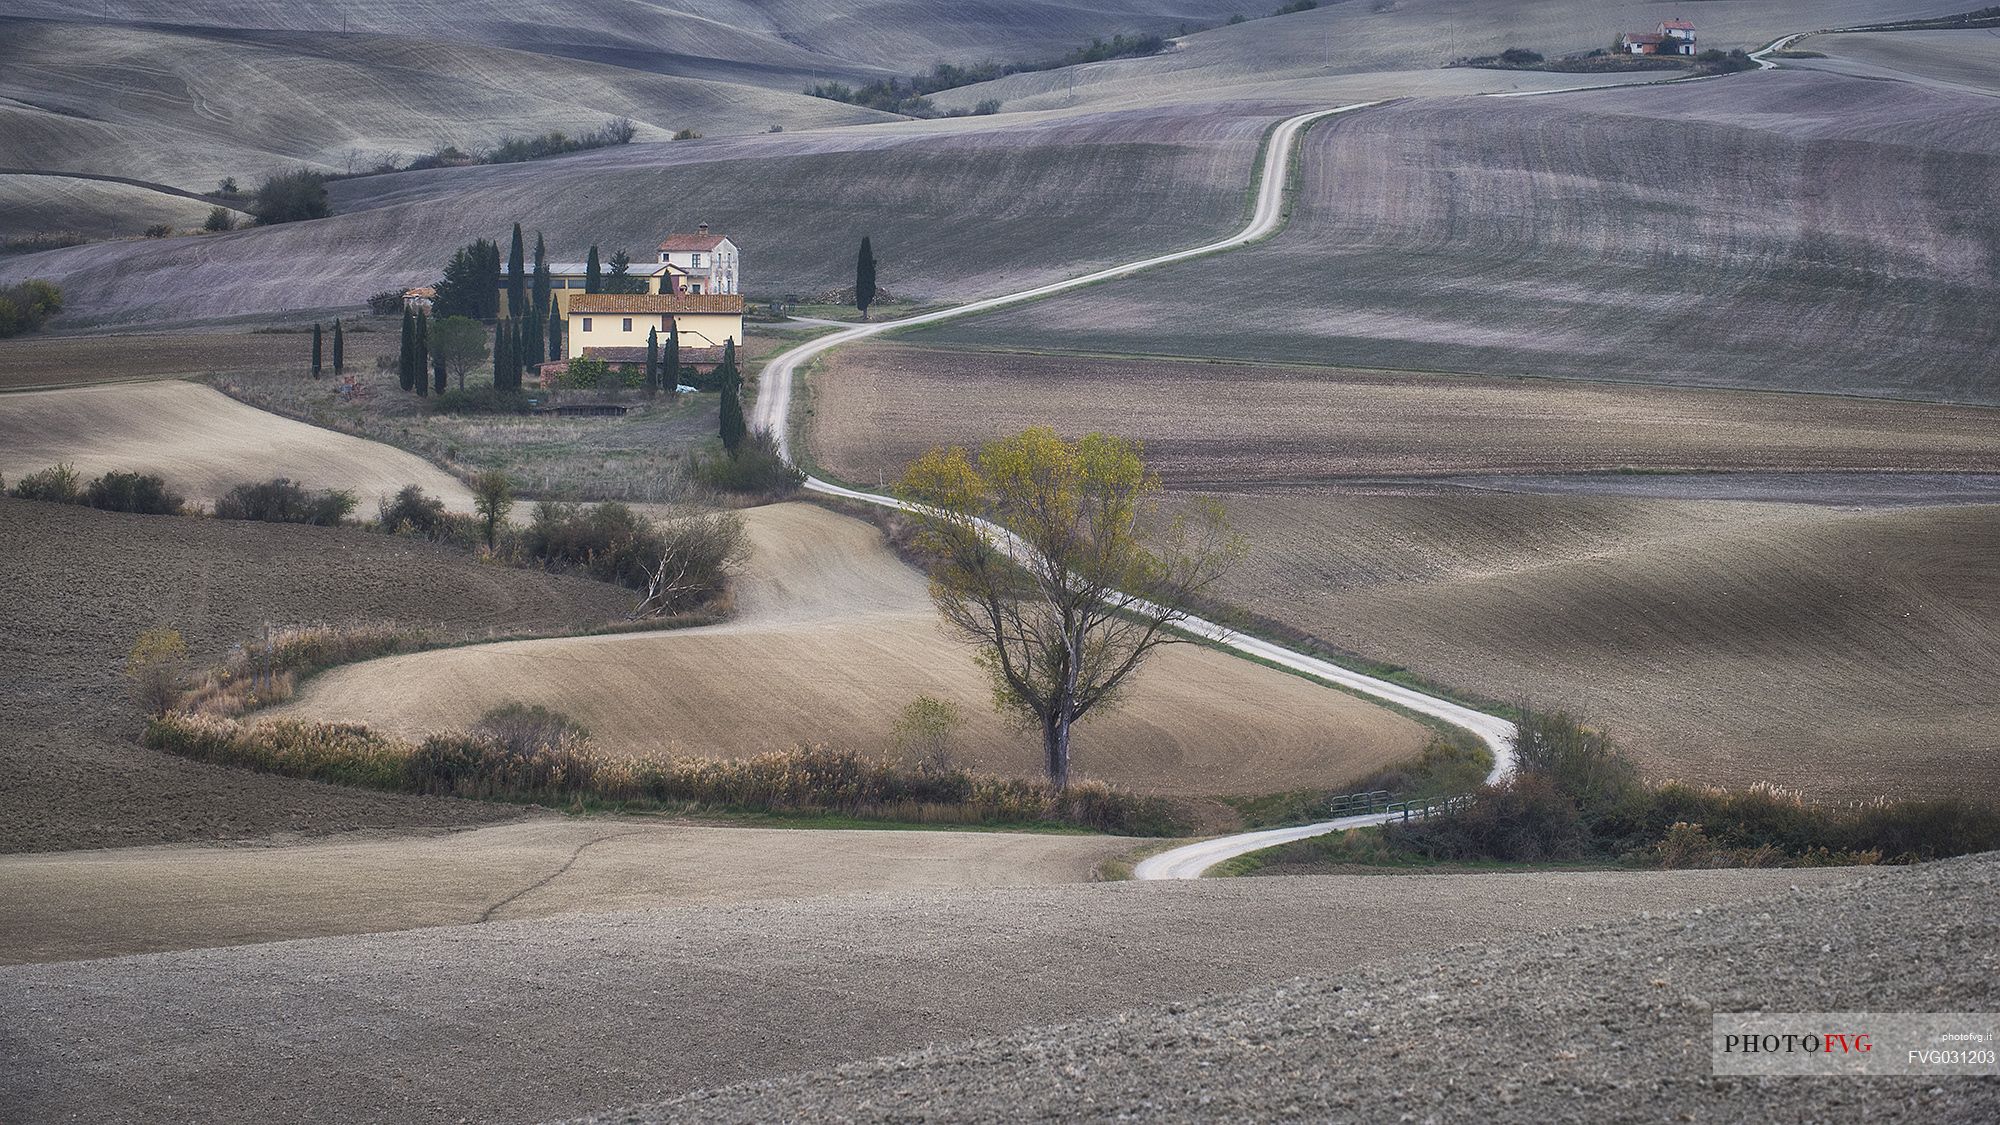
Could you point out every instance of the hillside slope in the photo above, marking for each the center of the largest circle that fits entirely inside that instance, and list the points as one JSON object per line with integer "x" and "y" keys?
{"x": 188, "y": 108}
{"x": 1607, "y": 1023}
{"x": 203, "y": 442}
{"x": 1785, "y": 230}
{"x": 954, "y": 208}
{"x": 834, "y": 635}
{"x": 83, "y": 584}
{"x": 620, "y": 1008}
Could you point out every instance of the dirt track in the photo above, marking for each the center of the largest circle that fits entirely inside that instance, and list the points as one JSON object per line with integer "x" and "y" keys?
{"x": 203, "y": 442}
{"x": 833, "y": 636}
{"x": 522, "y": 1021}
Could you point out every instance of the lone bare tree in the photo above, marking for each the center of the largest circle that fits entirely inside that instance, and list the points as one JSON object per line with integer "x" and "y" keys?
{"x": 1053, "y": 560}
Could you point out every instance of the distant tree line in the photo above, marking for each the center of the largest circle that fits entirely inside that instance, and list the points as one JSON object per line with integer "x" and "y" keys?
{"x": 908, "y": 96}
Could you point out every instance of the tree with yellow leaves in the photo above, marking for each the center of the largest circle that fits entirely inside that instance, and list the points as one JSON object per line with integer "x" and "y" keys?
{"x": 1053, "y": 560}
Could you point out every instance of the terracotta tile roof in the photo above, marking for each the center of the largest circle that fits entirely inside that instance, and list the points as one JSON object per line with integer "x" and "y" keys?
{"x": 677, "y": 242}
{"x": 613, "y": 303}
{"x": 1677, "y": 25}
{"x": 421, "y": 291}
{"x": 690, "y": 357}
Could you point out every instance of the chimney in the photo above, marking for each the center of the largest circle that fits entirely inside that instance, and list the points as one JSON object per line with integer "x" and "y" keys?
{"x": 703, "y": 228}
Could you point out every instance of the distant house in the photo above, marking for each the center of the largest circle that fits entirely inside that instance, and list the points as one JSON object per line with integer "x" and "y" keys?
{"x": 614, "y": 326}
{"x": 1673, "y": 37}
{"x": 709, "y": 260}
{"x": 419, "y": 299}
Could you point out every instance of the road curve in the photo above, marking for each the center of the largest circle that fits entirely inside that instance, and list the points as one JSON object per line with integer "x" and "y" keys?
{"x": 772, "y": 412}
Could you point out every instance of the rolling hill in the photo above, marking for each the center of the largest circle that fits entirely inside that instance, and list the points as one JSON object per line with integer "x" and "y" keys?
{"x": 833, "y": 636}
{"x": 1778, "y": 230}
{"x": 1823, "y": 645}
{"x": 954, "y": 207}
{"x": 203, "y": 442}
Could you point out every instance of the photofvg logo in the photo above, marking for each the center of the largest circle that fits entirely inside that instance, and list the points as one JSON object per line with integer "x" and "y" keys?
{"x": 1829, "y": 1043}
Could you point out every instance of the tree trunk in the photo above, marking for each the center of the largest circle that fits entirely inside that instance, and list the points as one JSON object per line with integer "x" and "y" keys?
{"x": 1055, "y": 747}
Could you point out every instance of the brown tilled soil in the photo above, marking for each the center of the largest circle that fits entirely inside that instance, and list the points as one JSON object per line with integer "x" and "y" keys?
{"x": 1847, "y": 651}
{"x": 527, "y": 1020}
{"x": 52, "y": 361}
{"x": 833, "y": 637}
{"x": 203, "y": 442}
{"x": 1221, "y": 425}
{"x": 84, "y": 583}
{"x": 1608, "y": 1023}
{"x": 66, "y": 906}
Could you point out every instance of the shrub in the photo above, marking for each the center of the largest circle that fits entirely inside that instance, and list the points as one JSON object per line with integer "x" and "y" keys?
{"x": 608, "y": 541}
{"x": 756, "y": 470}
{"x": 411, "y": 511}
{"x": 587, "y": 373}
{"x": 157, "y": 666}
{"x": 41, "y": 240}
{"x": 279, "y": 500}
{"x": 686, "y": 135}
{"x": 219, "y": 219}
{"x": 159, "y": 230}
{"x": 549, "y": 760}
{"x": 1584, "y": 765}
{"x": 389, "y": 302}
{"x": 1524, "y": 818}
{"x": 264, "y": 671}
{"x": 524, "y": 726}
{"x": 57, "y": 484}
{"x": 27, "y": 305}
{"x": 290, "y": 197}
{"x": 924, "y": 733}
{"x": 143, "y": 493}
{"x": 987, "y": 107}
{"x": 698, "y": 550}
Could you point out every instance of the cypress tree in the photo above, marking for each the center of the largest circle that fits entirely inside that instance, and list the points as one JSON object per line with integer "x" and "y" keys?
{"x": 670, "y": 363}
{"x": 733, "y": 429}
{"x": 653, "y": 361}
{"x": 408, "y": 367}
{"x": 533, "y": 337}
{"x": 864, "y": 278}
{"x": 517, "y": 281}
{"x": 593, "y": 273}
{"x": 543, "y": 282}
{"x": 315, "y": 349}
{"x": 517, "y": 353}
{"x": 339, "y": 351}
{"x": 420, "y": 374}
{"x": 556, "y": 337}
{"x": 501, "y": 336}
{"x": 437, "y": 372}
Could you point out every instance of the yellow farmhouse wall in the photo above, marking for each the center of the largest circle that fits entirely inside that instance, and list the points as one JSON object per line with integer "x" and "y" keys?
{"x": 698, "y": 330}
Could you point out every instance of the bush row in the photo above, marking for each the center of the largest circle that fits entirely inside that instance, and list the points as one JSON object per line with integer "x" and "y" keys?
{"x": 560, "y": 768}
{"x": 144, "y": 493}
{"x": 1577, "y": 795}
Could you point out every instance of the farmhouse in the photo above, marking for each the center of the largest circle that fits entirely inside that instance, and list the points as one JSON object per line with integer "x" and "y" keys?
{"x": 1673, "y": 37}
{"x": 568, "y": 279}
{"x": 709, "y": 261}
{"x": 614, "y": 326}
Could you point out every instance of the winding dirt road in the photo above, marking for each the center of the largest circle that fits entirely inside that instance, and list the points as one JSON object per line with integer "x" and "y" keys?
{"x": 772, "y": 412}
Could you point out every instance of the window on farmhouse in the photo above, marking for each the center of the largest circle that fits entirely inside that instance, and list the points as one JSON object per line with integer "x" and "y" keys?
{"x": 628, "y": 324}
{"x": 694, "y": 259}
{"x": 586, "y": 324}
